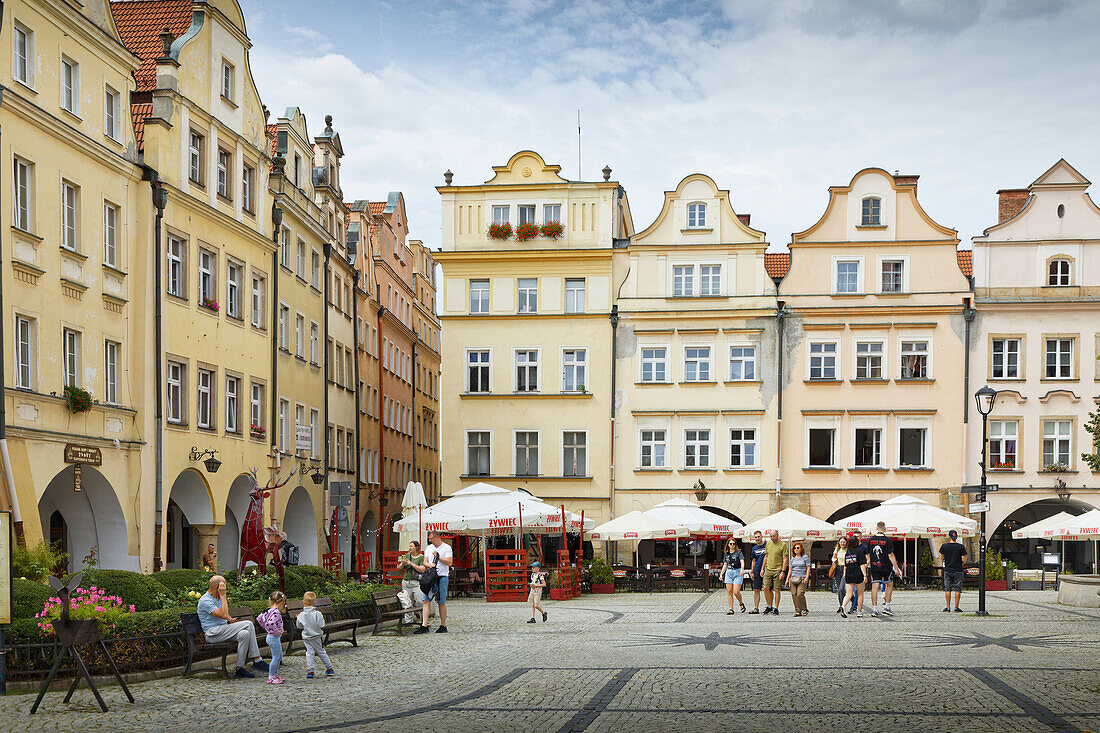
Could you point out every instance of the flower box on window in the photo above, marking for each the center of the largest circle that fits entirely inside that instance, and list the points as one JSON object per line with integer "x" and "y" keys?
{"x": 77, "y": 400}
{"x": 500, "y": 231}
{"x": 257, "y": 431}
{"x": 999, "y": 466}
{"x": 209, "y": 304}
{"x": 1055, "y": 468}
{"x": 553, "y": 230}
{"x": 526, "y": 231}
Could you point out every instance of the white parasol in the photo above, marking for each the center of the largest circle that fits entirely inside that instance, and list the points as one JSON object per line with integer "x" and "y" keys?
{"x": 791, "y": 525}
{"x": 699, "y": 522}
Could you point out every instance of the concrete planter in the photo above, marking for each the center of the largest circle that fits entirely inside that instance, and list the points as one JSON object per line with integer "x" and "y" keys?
{"x": 1029, "y": 585}
{"x": 1079, "y": 590}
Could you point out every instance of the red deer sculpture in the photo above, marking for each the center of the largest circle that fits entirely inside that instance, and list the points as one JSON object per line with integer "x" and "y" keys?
{"x": 256, "y": 541}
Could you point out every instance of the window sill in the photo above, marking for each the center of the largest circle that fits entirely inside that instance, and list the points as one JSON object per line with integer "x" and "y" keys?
{"x": 848, "y": 295}
{"x": 746, "y": 469}
{"x": 653, "y": 470}
{"x": 69, "y": 113}
{"x": 229, "y": 101}
{"x": 1007, "y": 379}
{"x": 823, "y": 381}
{"x": 29, "y": 87}
{"x": 892, "y": 293}
{"x": 26, "y": 234}
{"x": 914, "y": 381}
{"x": 180, "y": 299}
{"x": 1073, "y": 470}
{"x": 1059, "y": 379}
{"x": 113, "y": 270}
{"x": 697, "y": 230}
{"x": 525, "y": 395}
{"x": 1005, "y": 470}
{"x": 208, "y": 310}
{"x": 197, "y": 184}
{"x": 698, "y": 382}
{"x": 695, "y": 297}
{"x": 915, "y": 469}
{"x": 175, "y": 425}
{"x": 823, "y": 469}
{"x": 869, "y": 381}
{"x": 112, "y": 139}
{"x": 70, "y": 252}
{"x": 867, "y": 469}
{"x": 225, "y": 200}
{"x": 871, "y": 227}
{"x": 284, "y": 350}
{"x": 206, "y": 428}
{"x": 235, "y": 319}
{"x": 286, "y": 269}
{"x": 652, "y": 384}
{"x": 743, "y": 381}
{"x": 698, "y": 469}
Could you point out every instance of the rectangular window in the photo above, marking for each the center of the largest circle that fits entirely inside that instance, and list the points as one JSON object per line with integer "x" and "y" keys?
{"x": 526, "y": 213}
{"x": 574, "y": 295}
{"x": 233, "y": 290}
{"x": 551, "y": 213}
{"x": 528, "y": 295}
{"x": 205, "y": 413}
{"x": 653, "y": 448}
{"x": 1003, "y": 442}
{"x": 284, "y": 247}
{"x": 227, "y": 80}
{"x": 742, "y": 363}
{"x": 69, "y": 216}
{"x": 174, "y": 393}
{"x": 315, "y": 269}
{"x": 477, "y": 368}
{"x": 24, "y": 352}
{"x": 574, "y": 362}
{"x": 893, "y": 276}
{"x": 500, "y": 215}
{"x": 683, "y": 280}
{"x": 822, "y": 446}
{"x": 914, "y": 360}
{"x": 70, "y": 86}
{"x": 912, "y": 447}
{"x": 300, "y": 260}
{"x": 207, "y": 290}
{"x": 696, "y": 448}
{"x": 1057, "y": 436}
{"x": 256, "y": 410}
{"x": 71, "y": 371}
{"x": 742, "y": 448}
{"x": 871, "y": 211}
{"x": 869, "y": 360}
{"x": 284, "y": 327}
{"x": 314, "y": 343}
{"x": 299, "y": 422}
{"x": 1059, "y": 359}
{"x": 300, "y": 336}
{"x": 110, "y": 235}
{"x": 174, "y": 253}
{"x": 23, "y": 56}
{"x": 697, "y": 364}
{"x": 225, "y": 164}
{"x": 111, "y": 109}
{"x": 22, "y": 190}
{"x": 284, "y": 425}
{"x": 248, "y": 176}
{"x": 479, "y": 296}
{"x": 574, "y": 453}
{"x": 1006, "y": 358}
{"x": 868, "y": 447}
{"x": 527, "y": 454}
{"x": 527, "y": 371}
{"x": 314, "y": 433}
{"x": 110, "y": 372}
{"x": 477, "y": 454}
{"x": 258, "y": 288}
{"x": 232, "y": 404}
{"x": 697, "y": 216}
{"x": 823, "y": 360}
{"x": 847, "y": 277}
{"x": 195, "y": 152}
{"x": 298, "y": 172}
{"x": 655, "y": 364}
{"x": 710, "y": 280}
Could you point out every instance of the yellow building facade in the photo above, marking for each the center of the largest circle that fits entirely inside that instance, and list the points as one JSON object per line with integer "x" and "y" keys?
{"x": 526, "y": 357}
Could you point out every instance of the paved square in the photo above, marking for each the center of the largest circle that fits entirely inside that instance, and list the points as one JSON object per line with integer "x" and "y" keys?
{"x": 660, "y": 662}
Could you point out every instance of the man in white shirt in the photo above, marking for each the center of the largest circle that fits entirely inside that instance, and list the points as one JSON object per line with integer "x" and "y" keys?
{"x": 439, "y": 556}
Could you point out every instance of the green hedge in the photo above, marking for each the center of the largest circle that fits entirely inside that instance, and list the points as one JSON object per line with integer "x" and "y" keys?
{"x": 28, "y": 597}
{"x": 142, "y": 591}
{"x": 183, "y": 579}
{"x": 318, "y": 580}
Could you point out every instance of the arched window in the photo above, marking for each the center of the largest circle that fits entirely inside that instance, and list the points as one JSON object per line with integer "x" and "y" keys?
{"x": 697, "y": 216}
{"x": 1058, "y": 272}
{"x": 871, "y": 212}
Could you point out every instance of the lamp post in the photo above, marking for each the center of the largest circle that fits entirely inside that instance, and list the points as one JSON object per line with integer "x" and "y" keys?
{"x": 984, "y": 397}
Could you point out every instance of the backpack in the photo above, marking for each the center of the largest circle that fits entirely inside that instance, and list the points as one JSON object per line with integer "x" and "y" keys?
{"x": 290, "y": 553}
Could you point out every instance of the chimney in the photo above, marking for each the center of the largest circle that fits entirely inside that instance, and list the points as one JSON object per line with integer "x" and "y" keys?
{"x": 1009, "y": 202}
{"x": 744, "y": 218}
{"x": 907, "y": 180}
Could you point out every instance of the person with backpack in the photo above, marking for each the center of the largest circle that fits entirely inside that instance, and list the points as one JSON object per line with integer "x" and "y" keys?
{"x": 410, "y": 579}
{"x": 434, "y": 579}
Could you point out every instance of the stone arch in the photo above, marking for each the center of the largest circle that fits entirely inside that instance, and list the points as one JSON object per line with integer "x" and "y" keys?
{"x": 236, "y": 508}
{"x": 853, "y": 508}
{"x": 190, "y": 503}
{"x": 191, "y": 493}
{"x": 300, "y": 525}
{"x": 1025, "y": 553}
{"x": 368, "y": 536}
{"x": 92, "y": 517}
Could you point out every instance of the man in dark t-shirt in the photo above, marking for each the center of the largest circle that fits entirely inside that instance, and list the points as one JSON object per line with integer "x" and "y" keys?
{"x": 757, "y": 553}
{"x": 855, "y": 539}
{"x": 883, "y": 565}
{"x": 855, "y": 574}
{"x": 952, "y": 553}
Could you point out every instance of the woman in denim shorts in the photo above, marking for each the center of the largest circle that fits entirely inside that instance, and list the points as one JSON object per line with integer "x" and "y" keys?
{"x": 733, "y": 563}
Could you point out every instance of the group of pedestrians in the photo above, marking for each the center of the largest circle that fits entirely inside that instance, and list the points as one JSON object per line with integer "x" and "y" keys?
{"x": 423, "y": 586}
{"x": 770, "y": 567}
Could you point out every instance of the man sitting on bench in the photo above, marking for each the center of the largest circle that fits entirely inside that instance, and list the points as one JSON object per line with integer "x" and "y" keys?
{"x": 219, "y": 627}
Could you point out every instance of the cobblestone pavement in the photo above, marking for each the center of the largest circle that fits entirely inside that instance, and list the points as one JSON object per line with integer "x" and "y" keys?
{"x": 658, "y": 662}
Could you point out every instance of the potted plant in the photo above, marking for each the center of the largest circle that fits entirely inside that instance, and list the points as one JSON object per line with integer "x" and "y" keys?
{"x": 257, "y": 431}
{"x": 555, "y": 586}
{"x": 1001, "y": 466}
{"x": 209, "y": 304}
{"x": 77, "y": 399}
{"x": 500, "y": 231}
{"x": 994, "y": 571}
{"x": 553, "y": 230}
{"x": 600, "y": 576}
{"x": 1059, "y": 467}
{"x": 1010, "y": 572}
{"x": 526, "y": 231}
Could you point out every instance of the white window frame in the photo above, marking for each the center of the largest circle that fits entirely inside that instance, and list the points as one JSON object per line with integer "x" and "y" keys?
{"x": 1064, "y": 276}
{"x": 284, "y": 327}
{"x": 256, "y": 406}
{"x": 112, "y": 111}
{"x": 204, "y": 405}
{"x": 746, "y": 360}
{"x": 208, "y": 264}
{"x": 176, "y": 380}
{"x": 697, "y": 215}
{"x": 284, "y": 425}
{"x": 551, "y": 213}
{"x": 314, "y": 432}
{"x": 870, "y": 218}
{"x": 710, "y": 280}
{"x": 903, "y": 352}
{"x": 698, "y": 451}
{"x": 528, "y": 450}
{"x": 745, "y": 445}
{"x": 299, "y": 335}
{"x": 315, "y": 269}
{"x": 924, "y": 431}
{"x": 501, "y": 214}
{"x": 196, "y": 145}
{"x": 698, "y": 367}
{"x": 654, "y": 363}
{"x": 833, "y": 430}
{"x": 526, "y": 213}
{"x": 574, "y": 369}
{"x": 903, "y": 260}
{"x": 300, "y": 258}
{"x": 482, "y": 288}
{"x": 27, "y": 58}
{"x": 1002, "y": 360}
{"x": 70, "y": 86}
{"x": 314, "y": 342}
{"x": 488, "y": 452}
{"x": 257, "y": 297}
{"x": 110, "y": 371}
{"x": 225, "y": 164}
{"x": 527, "y": 295}
{"x": 526, "y": 371}
{"x": 233, "y": 272}
{"x": 822, "y": 355}
{"x": 837, "y": 261}
{"x": 575, "y": 296}
{"x": 70, "y": 216}
{"x": 566, "y": 464}
{"x": 683, "y": 280}
{"x": 999, "y": 436}
{"x": 482, "y": 366}
{"x": 24, "y": 351}
{"x": 110, "y": 234}
{"x": 1056, "y": 438}
{"x": 248, "y": 175}
{"x": 865, "y": 359}
{"x": 70, "y": 363}
{"x": 228, "y": 73}
{"x": 653, "y": 439}
{"x": 23, "y": 194}
{"x": 232, "y": 403}
{"x": 1060, "y": 362}
{"x": 876, "y": 445}
{"x": 175, "y": 277}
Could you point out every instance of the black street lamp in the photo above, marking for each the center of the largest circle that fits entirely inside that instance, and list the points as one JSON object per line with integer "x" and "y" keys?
{"x": 984, "y": 397}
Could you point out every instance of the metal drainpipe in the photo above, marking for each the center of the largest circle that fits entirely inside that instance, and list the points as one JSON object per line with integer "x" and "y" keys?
{"x": 324, "y": 409}
{"x": 358, "y": 445}
{"x": 276, "y": 225}
{"x": 780, "y": 319}
{"x": 969, "y": 313}
{"x": 381, "y": 427}
{"x": 160, "y": 201}
{"x": 412, "y": 425}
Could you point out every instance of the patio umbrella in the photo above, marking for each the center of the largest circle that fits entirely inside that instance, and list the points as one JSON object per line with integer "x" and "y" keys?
{"x": 412, "y": 502}
{"x": 484, "y": 509}
{"x": 1084, "y": 527}
{"x": 1035, "y": 531}
{"x": 637, "y": 526}
{"x": 791, "y": 525}
{"x": 696, "y": 520}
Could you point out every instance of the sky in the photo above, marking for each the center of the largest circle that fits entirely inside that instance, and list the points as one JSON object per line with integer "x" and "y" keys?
{"x": 775, "y": 100}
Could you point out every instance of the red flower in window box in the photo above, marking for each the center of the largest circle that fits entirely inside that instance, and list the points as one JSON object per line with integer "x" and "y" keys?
{"x": 77, "y": 400}
{"x": 553, "y": 230}
{"x": 500, "y": 231}
{"x": 209, "y": 303}
{"x": 526, "y": 231}
{"x": 995, "y": 465}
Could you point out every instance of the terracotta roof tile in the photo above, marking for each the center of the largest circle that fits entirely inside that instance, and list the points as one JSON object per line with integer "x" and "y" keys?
{"x": 777, "y": 264}
{"x": 139, "y": 25}
{"x": 139, "y": 112}
{"x": 377, "y": 207}
{"x": 966, "y": 261}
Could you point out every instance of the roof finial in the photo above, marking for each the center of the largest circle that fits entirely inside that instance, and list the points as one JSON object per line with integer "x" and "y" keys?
{"x": 607, "y": 173}
{"x": 447, "y": 176}
{"x": 328, "y": 124}
{"x": 166, "y": 39}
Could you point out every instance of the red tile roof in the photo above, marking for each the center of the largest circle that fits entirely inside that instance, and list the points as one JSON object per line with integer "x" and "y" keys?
{"x": 377, "y": 207}
{"x": 966, "y": 261}
{"x": 777, "y": 264}
{"x": 271, "y": 131}
{"x": 140, "y": 23}
{"x": 140, "y": 112}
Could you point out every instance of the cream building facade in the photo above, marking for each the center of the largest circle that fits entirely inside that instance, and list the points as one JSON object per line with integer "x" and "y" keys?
{"x": 526, "y": 359}
{"x": 1037, "y": 342}
{"x": 874, "y": 333}
{"x": 695, "y": 352}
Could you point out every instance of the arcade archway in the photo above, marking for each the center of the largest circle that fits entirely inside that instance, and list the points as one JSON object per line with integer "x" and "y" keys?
{"x": 86, "y": 518}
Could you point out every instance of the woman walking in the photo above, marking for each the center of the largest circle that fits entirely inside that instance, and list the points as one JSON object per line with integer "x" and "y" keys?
{"x": 836, "y": 571}
{"x": 733, "y": 562}
{"x": 799, "y": 578}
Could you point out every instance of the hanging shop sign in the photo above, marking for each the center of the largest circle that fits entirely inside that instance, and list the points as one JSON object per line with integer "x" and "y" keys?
{"x": 88, "y": 454}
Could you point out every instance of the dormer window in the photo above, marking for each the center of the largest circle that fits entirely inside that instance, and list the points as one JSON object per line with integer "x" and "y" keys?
{"x": 872, "y": 212}
{"x": 697, "y": 216}
{"x": 227, "y": 80}
{"x": 1058, "y": 272}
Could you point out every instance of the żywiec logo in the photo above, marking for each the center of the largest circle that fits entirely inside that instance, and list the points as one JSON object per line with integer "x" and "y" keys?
{"x": 670, "y": 533}
{"x": 812, "y": 533}
{"x": 437, "y": 526}
{"x": 629, "y": 534}
{"x": 495, "y": 523}
{"x": 721, "y": 528}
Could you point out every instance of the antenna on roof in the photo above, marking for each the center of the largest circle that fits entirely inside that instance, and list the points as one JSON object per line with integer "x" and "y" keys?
{"x": 578, "y": 144}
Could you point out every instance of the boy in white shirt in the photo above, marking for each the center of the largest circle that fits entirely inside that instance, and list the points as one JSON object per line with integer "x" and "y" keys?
{"x": 538, "y": 582}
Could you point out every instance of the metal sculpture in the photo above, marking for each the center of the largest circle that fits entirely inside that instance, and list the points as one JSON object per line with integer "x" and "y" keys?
{"x": 256, "y": 540}
{"x": 70, "y": 634}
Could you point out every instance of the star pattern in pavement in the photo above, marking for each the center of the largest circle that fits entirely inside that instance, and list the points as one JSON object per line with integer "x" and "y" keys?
{"x": 1012, "y": 642}
{"x": 712, "y": 641}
